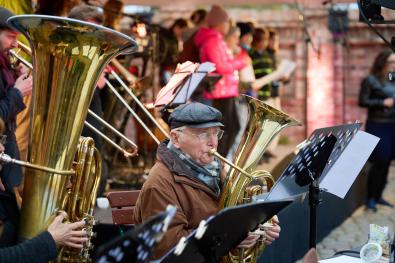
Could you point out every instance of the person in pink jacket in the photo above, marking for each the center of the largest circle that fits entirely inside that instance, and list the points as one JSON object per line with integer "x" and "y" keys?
{"x": 213, "y": 48}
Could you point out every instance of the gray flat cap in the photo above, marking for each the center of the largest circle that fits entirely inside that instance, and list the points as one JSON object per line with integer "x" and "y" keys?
{"x": 4, "y": 15}
{"x": 196, "y": 115}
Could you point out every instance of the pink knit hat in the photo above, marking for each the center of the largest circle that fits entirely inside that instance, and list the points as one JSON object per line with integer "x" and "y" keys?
{"x": 216, "y": 16}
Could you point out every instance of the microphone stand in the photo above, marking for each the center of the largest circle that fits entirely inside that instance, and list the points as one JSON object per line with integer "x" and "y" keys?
{"x": 308, "y": 40}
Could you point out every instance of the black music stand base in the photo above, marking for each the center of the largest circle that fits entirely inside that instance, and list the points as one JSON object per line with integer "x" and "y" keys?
{"x": 314, "y": 201}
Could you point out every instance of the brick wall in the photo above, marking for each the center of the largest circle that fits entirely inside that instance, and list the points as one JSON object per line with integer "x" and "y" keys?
{"x": 335, "y": 67}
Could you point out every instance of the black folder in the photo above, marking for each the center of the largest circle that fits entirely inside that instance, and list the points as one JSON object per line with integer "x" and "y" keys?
{"x": 224, "y": 232}
{"x": 135, "y": 245}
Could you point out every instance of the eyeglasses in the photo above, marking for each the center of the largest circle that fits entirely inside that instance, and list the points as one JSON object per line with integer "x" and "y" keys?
{"x": 205, "y": 136}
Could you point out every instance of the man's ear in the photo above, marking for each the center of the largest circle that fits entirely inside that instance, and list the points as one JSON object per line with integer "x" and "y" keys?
{"x": 175, "y": 139}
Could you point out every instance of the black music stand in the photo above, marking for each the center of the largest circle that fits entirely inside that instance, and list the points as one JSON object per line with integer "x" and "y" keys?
{"x": 137, "y": 244}
{"x": 310, "y": 166}
{"x": 207, "y": 84}
{"x": 215, "y": 237}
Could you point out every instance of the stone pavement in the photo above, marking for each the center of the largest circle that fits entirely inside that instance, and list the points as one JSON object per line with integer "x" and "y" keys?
{"x": 354, "y": 230}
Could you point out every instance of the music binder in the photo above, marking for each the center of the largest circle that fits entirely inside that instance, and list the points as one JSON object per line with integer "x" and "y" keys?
{"x": 137, "y": 244}
{"x": 215, "y": 237}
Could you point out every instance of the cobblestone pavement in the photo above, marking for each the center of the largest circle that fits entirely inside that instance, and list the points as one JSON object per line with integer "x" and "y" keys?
{"x": 354, "y": 230}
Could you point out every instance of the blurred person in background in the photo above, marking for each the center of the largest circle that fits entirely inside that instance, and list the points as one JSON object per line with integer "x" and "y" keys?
{"x": 377, "y": 94}
{"x": 171, "y": 45}
{"x": 112, "y": 11}
{"x": 232, "y": 39}
{"x": 264, "y": 61}
{"x": 246, "y": 35}
{"x": 190, "y": 52}
{"x": 225, "y": 92}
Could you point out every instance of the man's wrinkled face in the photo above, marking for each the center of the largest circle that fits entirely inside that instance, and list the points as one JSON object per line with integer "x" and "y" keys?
{"x": 8, "y": 40}
{"x": 196, "y": 142}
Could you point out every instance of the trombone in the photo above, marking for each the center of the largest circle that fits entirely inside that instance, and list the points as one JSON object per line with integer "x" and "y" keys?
{"x": 115, "y": 63}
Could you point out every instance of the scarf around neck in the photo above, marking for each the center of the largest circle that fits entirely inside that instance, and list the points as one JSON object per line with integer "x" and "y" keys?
{"x": 207, "y": 174}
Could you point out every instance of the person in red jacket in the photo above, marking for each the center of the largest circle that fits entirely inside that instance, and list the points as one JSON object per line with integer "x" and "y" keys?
{"x": 213, "y": 48}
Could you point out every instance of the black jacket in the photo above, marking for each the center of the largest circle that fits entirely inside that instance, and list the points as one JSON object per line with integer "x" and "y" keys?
{"x": 372, "y": 95}
{"x": 11, "y": 103}
{"x": 39, "y": 249}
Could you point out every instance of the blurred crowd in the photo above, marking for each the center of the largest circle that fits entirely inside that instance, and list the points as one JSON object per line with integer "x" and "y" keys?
{"x": 242, "y": 53}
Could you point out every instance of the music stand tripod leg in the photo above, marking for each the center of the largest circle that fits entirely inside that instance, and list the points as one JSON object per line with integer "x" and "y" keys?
{"x": 314, "y": 201}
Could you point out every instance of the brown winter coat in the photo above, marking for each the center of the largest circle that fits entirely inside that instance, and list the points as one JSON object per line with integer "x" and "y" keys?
{"x": 172, "y": 185}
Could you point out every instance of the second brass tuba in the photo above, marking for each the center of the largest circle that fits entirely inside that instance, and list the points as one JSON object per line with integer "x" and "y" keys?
{"x": 68, "y": 58}
{"x": 264, "y": 123}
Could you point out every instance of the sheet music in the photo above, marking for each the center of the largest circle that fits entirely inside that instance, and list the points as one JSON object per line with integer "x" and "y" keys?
{"x": 284, "y": 70}
{"x": 168, "y": 92}
{"x": 349, "y": 164}
{"x": 183, "y": 83}
{"x": 190, "y": 85}
{"x": 286, "y": 67}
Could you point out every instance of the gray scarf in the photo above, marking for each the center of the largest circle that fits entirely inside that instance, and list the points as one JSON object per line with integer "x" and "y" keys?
{"x": 208, "y": 174}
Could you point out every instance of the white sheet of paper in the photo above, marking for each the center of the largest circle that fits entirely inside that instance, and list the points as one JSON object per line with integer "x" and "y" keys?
{"x": 284, "y": 70}
{"x": 341, "y": 259}
{"x": 343, "y": 173}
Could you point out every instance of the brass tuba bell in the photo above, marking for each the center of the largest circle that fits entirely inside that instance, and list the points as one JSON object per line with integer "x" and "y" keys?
{"x": 68, "y": 58}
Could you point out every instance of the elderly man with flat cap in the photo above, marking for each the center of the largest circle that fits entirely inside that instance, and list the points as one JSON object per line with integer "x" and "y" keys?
{"x": 187, "y": 176}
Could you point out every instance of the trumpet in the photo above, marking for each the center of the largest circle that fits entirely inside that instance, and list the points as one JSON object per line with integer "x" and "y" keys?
{"x": 27, "y": 50}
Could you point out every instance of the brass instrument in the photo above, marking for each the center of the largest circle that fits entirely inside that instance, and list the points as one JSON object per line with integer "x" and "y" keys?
{"x": 68, "y": 57}
{"x": 130, "y": 78}
{"x": 243, "y": 182}
{"x": 27, "y": 50}
{"x": 81, "y": 198}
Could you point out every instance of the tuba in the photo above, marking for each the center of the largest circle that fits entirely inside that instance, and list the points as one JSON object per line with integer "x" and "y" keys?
{"x": 68, "y": 58}
{"x": 80, "y": 199}
{"x": 242, "y": 183}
